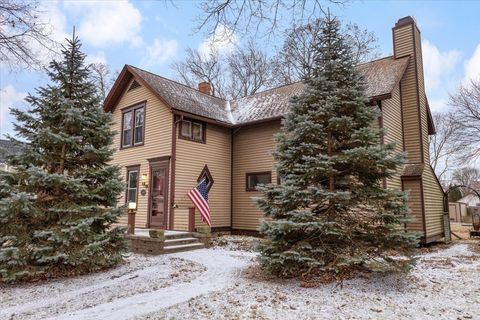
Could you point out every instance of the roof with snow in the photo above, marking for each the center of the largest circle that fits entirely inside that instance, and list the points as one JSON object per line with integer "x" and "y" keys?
{"x": 7, "y": 147}
{"x": 381, "y": 77}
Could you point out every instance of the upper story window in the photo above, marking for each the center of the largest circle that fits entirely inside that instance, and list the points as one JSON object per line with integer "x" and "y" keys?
{"x": 193, "y": 130}
{"x": 133, "y": 126}
{"x": 256, "y": 178}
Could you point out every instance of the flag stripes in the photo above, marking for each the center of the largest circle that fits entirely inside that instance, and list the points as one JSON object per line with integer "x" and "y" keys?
{"x": 199, "y": 197}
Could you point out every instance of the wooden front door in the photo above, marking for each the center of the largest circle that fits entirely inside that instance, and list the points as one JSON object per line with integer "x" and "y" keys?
{"x": 158, "y": 194}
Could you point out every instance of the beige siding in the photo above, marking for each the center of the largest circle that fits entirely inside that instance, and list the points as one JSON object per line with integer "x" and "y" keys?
{"x": 252, "y": 152}
{"x": 414, "y": 203}
{"x": 158, "y": 142}
{"x": 433, "y": 194}
{"x": 392, "y": 123}
{"x": 191, "y": 157}
{"x": 422, "y": 96}
{"x": 404, "y": 45}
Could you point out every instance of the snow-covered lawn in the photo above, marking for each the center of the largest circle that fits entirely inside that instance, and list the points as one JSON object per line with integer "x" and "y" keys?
{"x": 213, "y": 284}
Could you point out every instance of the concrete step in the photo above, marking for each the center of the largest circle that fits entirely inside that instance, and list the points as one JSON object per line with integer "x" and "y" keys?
{"x": 179, "y": 241}
{"x": 183, "y": 247}
{"x": 178, "y": 235}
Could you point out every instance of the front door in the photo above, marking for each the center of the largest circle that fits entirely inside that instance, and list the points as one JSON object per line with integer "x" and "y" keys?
{"x": 158, "y": 194}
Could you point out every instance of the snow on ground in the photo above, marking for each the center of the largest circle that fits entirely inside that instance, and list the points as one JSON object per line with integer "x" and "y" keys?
{"x": 444, "y": 285}
{"x": 213, "y": 284}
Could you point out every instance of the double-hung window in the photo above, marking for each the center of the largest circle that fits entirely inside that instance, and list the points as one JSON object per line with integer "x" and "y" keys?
{"x": 132, "y": 184}
{"x": 193, "y": 130}
{"x": 133, "y": 126}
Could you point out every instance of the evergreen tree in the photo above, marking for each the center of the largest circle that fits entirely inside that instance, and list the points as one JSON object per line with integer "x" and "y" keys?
{"x": 330, "y": 211}
{"x": 58, "y": 207}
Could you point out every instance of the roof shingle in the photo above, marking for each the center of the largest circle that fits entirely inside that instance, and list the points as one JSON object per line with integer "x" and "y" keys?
{"x": 381, "y": 77}
{"x": 7, "y": 147}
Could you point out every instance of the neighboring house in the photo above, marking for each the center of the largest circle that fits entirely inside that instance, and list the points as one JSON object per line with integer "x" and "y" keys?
{"x": 460, "y": 211}
{"x": 471, "y": 200}
{"x": 170, "y": 136}
{"x": 6, "y": 147}
{"x": 457, "y": 211}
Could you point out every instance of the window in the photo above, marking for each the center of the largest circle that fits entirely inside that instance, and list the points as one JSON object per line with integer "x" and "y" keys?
{"x": 133, "y": 127}
{"x": 139, "y": 122}
{"x": 254, "y": 179}
{"x": 192, "y": 130}
{"x": 205, "y": 174}
{"x": 132, "y": 184}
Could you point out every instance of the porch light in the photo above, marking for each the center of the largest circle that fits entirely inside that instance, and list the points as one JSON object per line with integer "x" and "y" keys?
{"x": 145, "y": 180}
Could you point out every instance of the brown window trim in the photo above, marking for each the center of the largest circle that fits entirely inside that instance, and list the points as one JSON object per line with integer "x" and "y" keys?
{"x": 204, "y": 130}
{"x": 206, "y": 173}
{"x": 133, "y": 108}
{"x": 255, "y": 173}
{"x": 279, "y": 178}
{"x": 129, "y": 169}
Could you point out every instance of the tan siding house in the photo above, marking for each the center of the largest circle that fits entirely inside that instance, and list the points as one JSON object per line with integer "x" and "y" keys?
{"x": 252, "y": 153}
{"x": 191, "y": 158}
{"x": 170, "y": 137}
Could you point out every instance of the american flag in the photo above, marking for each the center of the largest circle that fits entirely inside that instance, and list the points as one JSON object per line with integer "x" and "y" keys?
{"x": 199, "y": 197}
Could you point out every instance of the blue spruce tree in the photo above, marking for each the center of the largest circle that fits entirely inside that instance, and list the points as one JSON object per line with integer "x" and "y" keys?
{"x": 330, "y": 212}
{"x": 58, "y": 207}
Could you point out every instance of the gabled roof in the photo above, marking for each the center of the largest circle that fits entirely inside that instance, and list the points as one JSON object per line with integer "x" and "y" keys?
{"x": 7, "y": 147}
{"x": 413, "y": 170}
{"x": 381, "y": 77}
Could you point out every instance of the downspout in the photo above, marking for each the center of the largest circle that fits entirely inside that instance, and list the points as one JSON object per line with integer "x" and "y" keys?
{"x": 232, "y": 120}
{"x": 174, "y": 158}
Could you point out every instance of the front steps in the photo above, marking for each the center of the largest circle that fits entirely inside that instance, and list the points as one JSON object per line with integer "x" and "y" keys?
{"x": 181, "y": 241}
{"x": 174, "y": 241}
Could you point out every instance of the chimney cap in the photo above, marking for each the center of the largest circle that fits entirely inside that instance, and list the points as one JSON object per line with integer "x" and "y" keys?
{"x": 404, "y": 21}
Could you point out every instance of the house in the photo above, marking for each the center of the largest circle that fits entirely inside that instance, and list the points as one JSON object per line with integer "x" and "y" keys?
{"x": 6, "y": 148}
{"x": 471, "y": 200}
{"x": 462, "y": 209}
{"x": 170, "y": 136}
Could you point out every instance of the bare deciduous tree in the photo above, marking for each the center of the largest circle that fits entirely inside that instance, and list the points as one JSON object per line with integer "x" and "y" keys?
{"x": 239, "y": 73}
{"x": 466, "y": 176}
{"x": 23, "y": 34}
{"x": 267, "y": 16}
{"x": 293, "y": 62}
{"x": 466, "y": 113}
{"x": 364, "y": 43}
{"x": 443, "y": 149}
{"x": 197, "y": 68}
{"x": 101, "y": 77}
{"x": 250, "y": 71}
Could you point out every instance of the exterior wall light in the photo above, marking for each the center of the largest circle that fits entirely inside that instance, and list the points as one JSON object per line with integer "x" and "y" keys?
{"x": 145, "y": 180}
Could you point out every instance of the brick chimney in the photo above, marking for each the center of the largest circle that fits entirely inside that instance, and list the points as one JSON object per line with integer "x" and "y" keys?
{"x": 205, "y": 87}
{"x": 407, "y": 43}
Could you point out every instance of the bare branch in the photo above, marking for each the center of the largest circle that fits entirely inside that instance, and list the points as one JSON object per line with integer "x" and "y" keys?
{"x": 294, "y": 61}
{"x": 443, "y": 149}
{"x": 237, "y": 74}
{"x": 263, "y": 16}
{"x": 467, "y": 176}
{"x": 466, "y": 115}
{"x": 23, "y": 34}
{"x": 101, "y": 76}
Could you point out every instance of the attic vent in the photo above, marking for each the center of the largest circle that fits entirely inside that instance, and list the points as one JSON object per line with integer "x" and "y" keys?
{"x": 134, "y": 85}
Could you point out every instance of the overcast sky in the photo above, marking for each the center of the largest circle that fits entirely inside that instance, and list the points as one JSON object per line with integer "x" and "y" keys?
{"x": 151, "y": 35}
